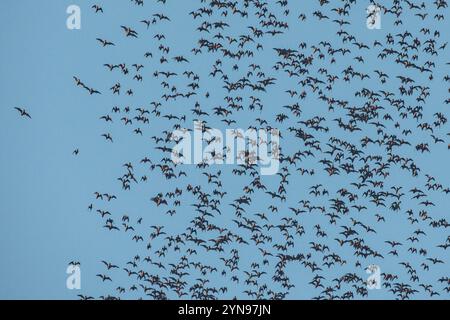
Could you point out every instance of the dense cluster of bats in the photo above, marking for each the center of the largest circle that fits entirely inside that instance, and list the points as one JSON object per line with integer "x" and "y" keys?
{"x": 360, "y": 112}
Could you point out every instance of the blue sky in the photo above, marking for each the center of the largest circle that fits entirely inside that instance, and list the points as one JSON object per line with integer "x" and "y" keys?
{"x": 45, "y": 190}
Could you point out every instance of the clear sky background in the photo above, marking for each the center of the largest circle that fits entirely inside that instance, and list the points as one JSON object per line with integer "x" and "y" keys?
{"x": 45, "y": 190}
